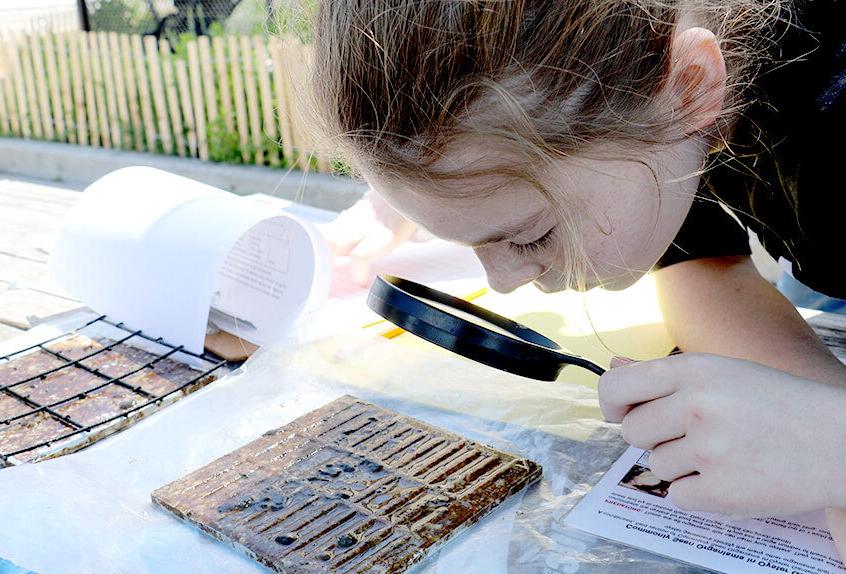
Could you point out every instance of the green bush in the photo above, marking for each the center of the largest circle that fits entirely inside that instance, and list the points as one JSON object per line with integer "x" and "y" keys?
{"x": 130, "y": 16}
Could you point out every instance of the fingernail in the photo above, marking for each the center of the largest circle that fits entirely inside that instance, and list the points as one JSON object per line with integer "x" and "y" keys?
{"x": 621, "y": 362}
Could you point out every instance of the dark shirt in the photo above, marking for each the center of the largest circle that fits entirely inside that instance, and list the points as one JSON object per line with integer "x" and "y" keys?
{"x": 782, "y": 175}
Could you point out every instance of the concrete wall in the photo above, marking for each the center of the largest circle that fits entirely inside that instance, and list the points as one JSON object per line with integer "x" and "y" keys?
{"x": 80, "y": 165}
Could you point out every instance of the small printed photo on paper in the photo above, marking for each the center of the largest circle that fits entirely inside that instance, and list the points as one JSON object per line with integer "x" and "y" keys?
{"x": 641, "y": 478}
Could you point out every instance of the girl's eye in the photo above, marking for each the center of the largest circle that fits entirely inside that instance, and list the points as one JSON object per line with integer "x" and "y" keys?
{"x": 536, "y": 245}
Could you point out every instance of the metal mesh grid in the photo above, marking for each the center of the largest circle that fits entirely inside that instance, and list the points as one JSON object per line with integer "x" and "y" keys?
{"x": 154, "y": 351}
{"x": 165, "y": 18}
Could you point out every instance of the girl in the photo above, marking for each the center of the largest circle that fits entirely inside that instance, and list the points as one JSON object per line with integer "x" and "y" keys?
{"x": 578, "y": 143}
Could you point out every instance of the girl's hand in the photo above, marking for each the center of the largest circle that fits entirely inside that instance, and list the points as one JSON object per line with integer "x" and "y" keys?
{"x": 366, "y": 231}
{"x": 836, "y": 519}
{"x": 735, "y": 437}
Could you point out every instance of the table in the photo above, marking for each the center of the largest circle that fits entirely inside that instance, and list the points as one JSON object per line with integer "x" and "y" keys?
{"x": 30, "y": 215}
{"x": 38, "y": 299}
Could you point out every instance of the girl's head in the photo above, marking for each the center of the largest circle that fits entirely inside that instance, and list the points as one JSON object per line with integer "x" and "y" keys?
{"x": 562, "y": 139}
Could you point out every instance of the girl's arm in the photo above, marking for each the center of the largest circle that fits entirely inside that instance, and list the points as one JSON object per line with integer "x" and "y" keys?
{"x": 723, "y": 306}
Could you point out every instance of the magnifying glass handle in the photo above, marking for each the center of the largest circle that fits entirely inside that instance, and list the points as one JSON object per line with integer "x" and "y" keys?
{"x": 585, "y": 364}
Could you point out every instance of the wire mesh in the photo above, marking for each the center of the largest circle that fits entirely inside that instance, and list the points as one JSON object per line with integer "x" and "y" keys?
{"x": 171, "y": 18}
{"x": 44, "y": 387}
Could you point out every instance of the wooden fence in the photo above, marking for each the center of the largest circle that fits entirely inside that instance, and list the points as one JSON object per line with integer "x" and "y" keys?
{"x": 225, "y": 98}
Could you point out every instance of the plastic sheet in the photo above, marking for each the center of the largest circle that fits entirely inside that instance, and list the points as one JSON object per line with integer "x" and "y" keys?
{"x": 91, "y": 512}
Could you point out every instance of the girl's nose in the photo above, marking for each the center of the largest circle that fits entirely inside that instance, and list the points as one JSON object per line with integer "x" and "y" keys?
{"x": 505, "y": 269}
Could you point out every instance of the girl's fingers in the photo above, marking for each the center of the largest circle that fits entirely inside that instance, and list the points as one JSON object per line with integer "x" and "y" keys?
{"x": 655, "y": 422}
{"x": 672, "y": 460}
{"x": 618, "y": 361}
{"x": 342, "y": 234}
{"x": 622, "y": 388}
{"x": 368, "y": 250}
{"x": 693, "y": 493}
{"x": 379, "y": 241}
{"x": 351, "y": 226}
{"x": 836, "y": 519}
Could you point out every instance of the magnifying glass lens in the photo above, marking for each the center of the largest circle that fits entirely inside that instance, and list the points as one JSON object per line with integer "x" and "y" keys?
{"x": 470, "y": 330}
{"x": 469, "y": 317}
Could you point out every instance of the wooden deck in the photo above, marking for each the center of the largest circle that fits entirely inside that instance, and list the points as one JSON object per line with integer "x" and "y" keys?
{"x": 30, "y": 214}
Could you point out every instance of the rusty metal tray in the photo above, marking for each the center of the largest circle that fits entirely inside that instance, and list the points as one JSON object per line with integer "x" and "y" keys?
{"x": 350, "y": 488}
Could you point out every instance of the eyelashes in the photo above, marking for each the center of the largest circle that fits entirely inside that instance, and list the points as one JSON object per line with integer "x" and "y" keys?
{"x": 536, "y": 245}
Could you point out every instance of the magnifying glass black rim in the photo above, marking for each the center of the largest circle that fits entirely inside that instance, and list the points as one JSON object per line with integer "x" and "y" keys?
{"x": 527, "y": 353}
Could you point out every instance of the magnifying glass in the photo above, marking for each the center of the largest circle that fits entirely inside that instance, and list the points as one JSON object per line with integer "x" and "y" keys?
{"x": 470, "y": 330}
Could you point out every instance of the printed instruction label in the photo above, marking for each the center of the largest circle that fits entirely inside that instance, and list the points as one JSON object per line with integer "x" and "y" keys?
{"x": 629, "y": 505}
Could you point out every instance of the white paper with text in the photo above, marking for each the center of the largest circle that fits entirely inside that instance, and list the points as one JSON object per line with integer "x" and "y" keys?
{"x": 157, "y": 251}
{"x": 629, "y": 505}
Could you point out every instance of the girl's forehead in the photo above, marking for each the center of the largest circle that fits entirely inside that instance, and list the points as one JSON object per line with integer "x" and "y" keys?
{"x": 470, "y": 219}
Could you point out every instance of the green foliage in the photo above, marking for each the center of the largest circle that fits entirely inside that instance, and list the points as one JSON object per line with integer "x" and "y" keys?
{"x": 180, "y": 45}
{"x": 179, "y": 42}
{"x": 216, "y": 29}
{"x": 127, "y": 135}
{"x": 312, "y": 163}
{"x": 224, "y": 145}
{"x": 341, "y": 168}
{"x": 293, "y": 17}
{"x": 121, "y": 16}
{"x": 270, "y": 147}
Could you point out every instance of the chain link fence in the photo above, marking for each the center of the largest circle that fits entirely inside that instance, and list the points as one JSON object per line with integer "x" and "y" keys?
{"x": 172, "y": 18}
{"x": 165, "y": 19}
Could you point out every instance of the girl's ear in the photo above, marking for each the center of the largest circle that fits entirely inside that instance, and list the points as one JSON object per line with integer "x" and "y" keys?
{"x": 697, "y": 79}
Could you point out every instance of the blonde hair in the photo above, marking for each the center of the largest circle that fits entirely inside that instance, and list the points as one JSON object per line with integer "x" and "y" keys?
{"x": 396, "y": 83}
